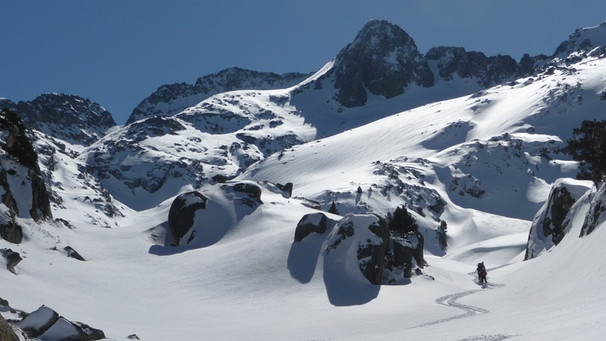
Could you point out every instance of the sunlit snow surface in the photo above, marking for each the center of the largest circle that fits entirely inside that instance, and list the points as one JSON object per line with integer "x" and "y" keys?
{"x": 254, "y": 282}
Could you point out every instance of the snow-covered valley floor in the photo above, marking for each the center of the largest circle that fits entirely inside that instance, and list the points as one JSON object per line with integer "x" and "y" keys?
{"x": 241, "y": 288}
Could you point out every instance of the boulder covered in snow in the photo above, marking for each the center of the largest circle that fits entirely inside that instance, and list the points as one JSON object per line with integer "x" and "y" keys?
{"x": 182, "y": 212}
{"x": 362, "y": 245}
{"x": 359, "y": 242}
{"x": 596, "y": 215}
{"x": 550, "y": 224}
{"x": 312, "y": 223}
{"x": 46, "y": 324}
{"x": 403, "y": 255}
{"x": 247, "y": 193}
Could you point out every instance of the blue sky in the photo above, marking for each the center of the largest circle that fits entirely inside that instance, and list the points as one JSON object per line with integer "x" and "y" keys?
{"x": 117, "y": 52}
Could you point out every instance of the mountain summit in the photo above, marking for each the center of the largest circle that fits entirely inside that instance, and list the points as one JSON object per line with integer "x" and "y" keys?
{"x": 384, "y": 59}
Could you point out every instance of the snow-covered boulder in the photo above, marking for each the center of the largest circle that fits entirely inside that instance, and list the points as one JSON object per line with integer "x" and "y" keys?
{"x": 362, "y": 245}
{"x": 201, "y": 218}
{"x": 37, "y": 322}
{"x": 596, "y": 215}
{"x": 182, "y": 213}
{"x": 549, "y": 225}
{"x": 359, "y": 242}
{"x": 45, "y": 324}
{"x": 312, "y": 223}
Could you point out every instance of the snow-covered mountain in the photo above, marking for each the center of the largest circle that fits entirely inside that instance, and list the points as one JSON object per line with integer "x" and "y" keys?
{"x": 171, "y": 99}
{"x": 69, "y": 118}
{"x": 206, "y": 217}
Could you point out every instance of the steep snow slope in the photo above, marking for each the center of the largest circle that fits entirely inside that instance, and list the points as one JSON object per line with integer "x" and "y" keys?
{"x": 492, "y": 151}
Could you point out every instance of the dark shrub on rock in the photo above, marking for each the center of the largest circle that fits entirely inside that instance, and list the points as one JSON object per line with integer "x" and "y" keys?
{"x": 182, "y": 212}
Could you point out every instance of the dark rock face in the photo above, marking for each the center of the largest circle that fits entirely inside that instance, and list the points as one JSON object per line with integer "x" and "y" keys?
{"x": 382, "y": 259}
{"x": 23, "y": 160}
{"x": 384, "y": 60}
{"x": 10, "y": 230}
{"x": 488, "y": 71}
{"x": 597, "y": 212}
{"x": 550, "y": 224}
{"x": 182, "y": 212}
{"x": 559, "y": 204}
{"x": 6, "y": 332}
{"x": 372, "y": 256}
{"x": 169, "y": 100}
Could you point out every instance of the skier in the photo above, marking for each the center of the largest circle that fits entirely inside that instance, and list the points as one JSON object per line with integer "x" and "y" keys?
{"x": 481, "y": 270}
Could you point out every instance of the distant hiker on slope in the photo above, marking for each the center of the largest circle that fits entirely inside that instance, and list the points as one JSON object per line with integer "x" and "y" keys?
{"x": 481, "y": 270}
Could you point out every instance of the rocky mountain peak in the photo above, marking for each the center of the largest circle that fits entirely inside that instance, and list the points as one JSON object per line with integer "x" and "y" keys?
{"x": 382, "y": 59}
{"x": 68, "y": 117}
{"x": 590, "y": 41}
{"x": 382, "y": 35}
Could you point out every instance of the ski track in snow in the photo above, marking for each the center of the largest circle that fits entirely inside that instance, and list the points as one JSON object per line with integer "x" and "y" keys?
{"x": 468, "y": 310}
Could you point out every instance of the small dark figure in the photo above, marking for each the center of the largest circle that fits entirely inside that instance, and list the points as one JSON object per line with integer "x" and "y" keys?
{"x": 481, "y": 270}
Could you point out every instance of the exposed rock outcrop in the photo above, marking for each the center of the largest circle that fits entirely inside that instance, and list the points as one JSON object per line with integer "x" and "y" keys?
{"x": 487, "y": 71}
{"x": 364, "y": 242}
{"x": 597, "y": 211}
{"x": 6, "y": 331}
{"x": 19, "y": 164}
{"x": 551, "y": 222}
